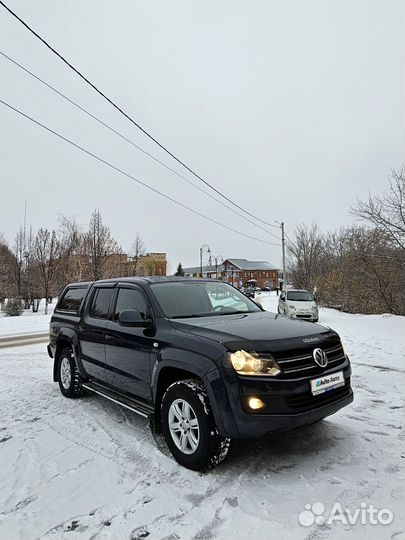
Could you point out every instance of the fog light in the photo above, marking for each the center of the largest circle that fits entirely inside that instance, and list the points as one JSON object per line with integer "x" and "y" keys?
{"x": 255, "y": 403}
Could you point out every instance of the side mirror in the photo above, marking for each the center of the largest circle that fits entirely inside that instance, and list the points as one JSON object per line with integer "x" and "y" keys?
{"x": 132, "y": 317}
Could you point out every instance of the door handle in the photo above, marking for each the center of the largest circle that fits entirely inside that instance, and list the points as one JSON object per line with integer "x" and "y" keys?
{"x": 109, "y": 337}
{"x": 83, "y": 329}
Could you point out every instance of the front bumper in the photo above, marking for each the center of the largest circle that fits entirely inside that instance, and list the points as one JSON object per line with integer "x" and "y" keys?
{"x": 309, "y": 316}
{"x": 289, "y": 403}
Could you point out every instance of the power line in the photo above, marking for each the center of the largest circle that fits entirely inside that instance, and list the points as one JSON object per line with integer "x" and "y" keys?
{"x": 74, "y": 103}
{"x": 117, "y": 169}
{"x": 289, "y": 239}
{"x": 144, "y": 131}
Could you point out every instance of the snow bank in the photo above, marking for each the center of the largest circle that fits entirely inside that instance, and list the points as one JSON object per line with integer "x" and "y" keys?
{"x": 28, "y": 322}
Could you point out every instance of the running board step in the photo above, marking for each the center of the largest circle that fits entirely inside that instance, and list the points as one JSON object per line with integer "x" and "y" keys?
{"x": 132, "y": 404}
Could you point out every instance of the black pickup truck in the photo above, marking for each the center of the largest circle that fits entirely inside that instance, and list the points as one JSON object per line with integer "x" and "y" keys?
{"x": 198, "y": 358}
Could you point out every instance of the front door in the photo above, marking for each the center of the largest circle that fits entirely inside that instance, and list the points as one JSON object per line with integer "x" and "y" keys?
{"x": 127, "y": 348}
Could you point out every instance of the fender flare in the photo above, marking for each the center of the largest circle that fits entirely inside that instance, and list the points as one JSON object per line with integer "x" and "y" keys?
{"x": 206, "y": 370}
{"x": 70, "y": 336}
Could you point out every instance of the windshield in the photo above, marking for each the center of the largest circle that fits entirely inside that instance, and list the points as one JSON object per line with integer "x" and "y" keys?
{"x": 300, "y": 296}
{"x": 184, "y": 299}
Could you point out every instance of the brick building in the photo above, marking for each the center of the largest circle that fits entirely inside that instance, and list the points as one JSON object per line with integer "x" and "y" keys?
{"x": 240, "y": 273}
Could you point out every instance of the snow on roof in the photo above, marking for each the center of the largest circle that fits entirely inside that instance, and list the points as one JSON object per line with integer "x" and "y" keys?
{"x": 244, "y": 264}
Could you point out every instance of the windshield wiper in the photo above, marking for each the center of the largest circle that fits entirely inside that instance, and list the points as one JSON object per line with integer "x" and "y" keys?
{"x": 235, "y": 312}
{"x": 211, "y": 314}
{"x": 192, "y": 316}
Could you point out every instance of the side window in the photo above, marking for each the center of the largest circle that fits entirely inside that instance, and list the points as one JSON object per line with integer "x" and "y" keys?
{"x": 72, "y": 299}
{"x": 101, "y": 303}
{"x": 131, "y": 299}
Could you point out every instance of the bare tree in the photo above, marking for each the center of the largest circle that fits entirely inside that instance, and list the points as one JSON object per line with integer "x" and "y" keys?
{"x": 357, "y": 269}
{"x": 99, "y": 245}
{"x": 137, "y": 251}
{"x": 71, "y": 234}
{"x": 74, "y": 265}
{"x": 377, "y": 270}
{"x": 387, "y": 212}
{"x": 303, "y": 256}
{"x": 384, "y": 253}
{"x": 46, "y": 258}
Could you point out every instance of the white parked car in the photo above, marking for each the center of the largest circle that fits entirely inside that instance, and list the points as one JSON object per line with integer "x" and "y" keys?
{"x": 298, "y": 304}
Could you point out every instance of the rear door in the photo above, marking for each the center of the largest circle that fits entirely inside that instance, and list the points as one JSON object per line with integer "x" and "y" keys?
{"x": 92, "y": 331}
{"x": 128, "y": 348}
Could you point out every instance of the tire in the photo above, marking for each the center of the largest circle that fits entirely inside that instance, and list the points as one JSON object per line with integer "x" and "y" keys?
{"x": 69, "y": 380}
{"x": 203, "y": 447}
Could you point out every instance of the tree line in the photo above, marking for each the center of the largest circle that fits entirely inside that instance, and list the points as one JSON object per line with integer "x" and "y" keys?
{"x": 360, "y": 268}
{"x": 40, "y": 265}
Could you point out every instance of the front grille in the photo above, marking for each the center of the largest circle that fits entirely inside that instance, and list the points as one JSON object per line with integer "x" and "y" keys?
{"x": 303, "y": 365}
{"x": 305, "y": 401}
{"x": 303, "y": 315}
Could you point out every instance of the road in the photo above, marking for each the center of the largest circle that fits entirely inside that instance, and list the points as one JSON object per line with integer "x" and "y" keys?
{"x": 18, "y": 340}
{"x": 89, "y": 469}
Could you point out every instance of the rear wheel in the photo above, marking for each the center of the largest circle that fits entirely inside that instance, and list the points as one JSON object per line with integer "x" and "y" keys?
{"x": 189, "y": 427}
{"x": 68, "y": 375}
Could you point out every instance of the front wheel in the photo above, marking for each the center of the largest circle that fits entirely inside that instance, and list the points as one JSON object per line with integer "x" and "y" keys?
{"x": 189, "y": 427}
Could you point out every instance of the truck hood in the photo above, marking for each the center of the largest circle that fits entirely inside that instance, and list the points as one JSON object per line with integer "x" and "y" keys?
{"x": 259, "y": 330}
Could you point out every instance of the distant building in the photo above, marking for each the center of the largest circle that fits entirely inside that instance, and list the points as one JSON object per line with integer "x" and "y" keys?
{"x": 240, "y": 273}
{"x": 244, "y": 273}
{"x": 207, "y": 271}
{"x": 150, "y": 264}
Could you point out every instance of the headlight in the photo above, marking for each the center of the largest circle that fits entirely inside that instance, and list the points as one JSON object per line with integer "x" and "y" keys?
{"x": 291, "y": 306}
{"x": 314, "y": 308}
{"x": 246, "y": 363}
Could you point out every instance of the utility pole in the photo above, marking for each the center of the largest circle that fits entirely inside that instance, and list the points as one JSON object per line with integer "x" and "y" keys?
{"x": 283, "y": 249}
{"x": 204, "y": 247}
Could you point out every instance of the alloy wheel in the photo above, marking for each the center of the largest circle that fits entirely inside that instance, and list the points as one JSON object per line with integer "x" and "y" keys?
{"x": 65, "y": 373}
{"x": 183, "y": 426}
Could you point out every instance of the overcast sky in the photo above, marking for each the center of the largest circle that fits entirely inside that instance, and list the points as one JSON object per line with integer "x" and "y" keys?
{"x": 293, "y": 109}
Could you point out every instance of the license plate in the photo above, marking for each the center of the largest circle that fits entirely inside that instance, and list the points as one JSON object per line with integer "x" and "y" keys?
{"x": 327, "y": 383}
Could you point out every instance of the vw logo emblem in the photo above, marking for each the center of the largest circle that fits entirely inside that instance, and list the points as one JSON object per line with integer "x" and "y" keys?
{"x": 320, "y": 357}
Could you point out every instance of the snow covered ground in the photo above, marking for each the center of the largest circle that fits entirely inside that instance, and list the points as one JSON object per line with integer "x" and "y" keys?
{"x": 88, "y": 469}
{"x": 28, "y": 322}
